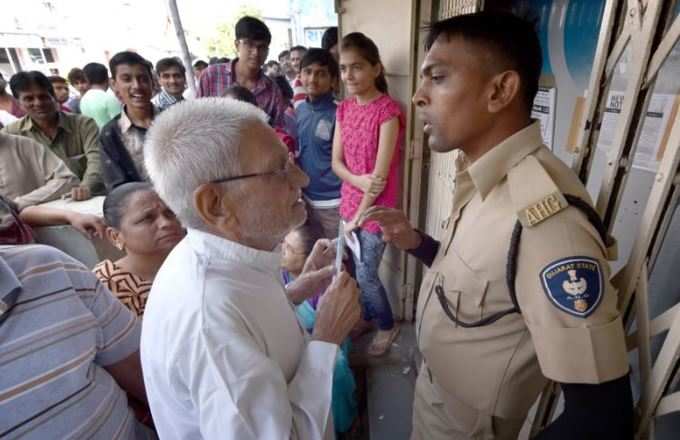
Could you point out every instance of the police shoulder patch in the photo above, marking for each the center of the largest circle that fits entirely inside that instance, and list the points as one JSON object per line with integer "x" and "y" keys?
{"x": 574, "y": 285}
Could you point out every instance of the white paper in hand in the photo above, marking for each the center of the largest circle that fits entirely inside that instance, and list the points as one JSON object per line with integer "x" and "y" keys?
{"x": 340, "y": 249}
{"x": 352, "y": 242}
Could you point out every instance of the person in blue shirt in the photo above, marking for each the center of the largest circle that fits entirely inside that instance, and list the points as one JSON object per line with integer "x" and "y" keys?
{"x": 315, "y": 121}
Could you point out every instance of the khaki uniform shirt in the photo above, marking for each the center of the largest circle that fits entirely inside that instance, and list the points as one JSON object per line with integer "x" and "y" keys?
{"x": 75, "y": 143}
{"x": 569, "y": 329}
{"x": 31, "y": 174}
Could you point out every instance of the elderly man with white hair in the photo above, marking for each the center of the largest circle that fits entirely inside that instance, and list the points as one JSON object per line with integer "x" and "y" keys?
{"x": 222, "y": 352}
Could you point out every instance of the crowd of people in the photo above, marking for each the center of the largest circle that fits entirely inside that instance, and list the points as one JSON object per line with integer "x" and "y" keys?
{"x": 226, "y": 206}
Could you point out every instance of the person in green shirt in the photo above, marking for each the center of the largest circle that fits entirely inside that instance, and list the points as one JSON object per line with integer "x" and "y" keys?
{"x": 72, "y": 137}
{"x": 99, "y": 102}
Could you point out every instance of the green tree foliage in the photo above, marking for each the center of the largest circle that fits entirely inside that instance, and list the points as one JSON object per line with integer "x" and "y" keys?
{"x": 221, "y": 42}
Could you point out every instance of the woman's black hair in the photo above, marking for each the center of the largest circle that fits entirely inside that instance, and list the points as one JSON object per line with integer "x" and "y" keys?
{"x": 284, "y": 86}
{"x": 367, "y": 50}
{"x": 116, "y": 201}
{"x": 329, "y": 38}
{"x": 240, "y": 93}
{"x": 309, "y": 234}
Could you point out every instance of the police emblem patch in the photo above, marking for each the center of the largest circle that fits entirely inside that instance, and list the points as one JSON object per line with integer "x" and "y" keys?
{"x": 574, "y": 285}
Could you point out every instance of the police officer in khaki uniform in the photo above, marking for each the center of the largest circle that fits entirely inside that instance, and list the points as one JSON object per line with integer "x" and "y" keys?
{"x": 518, "y": 289}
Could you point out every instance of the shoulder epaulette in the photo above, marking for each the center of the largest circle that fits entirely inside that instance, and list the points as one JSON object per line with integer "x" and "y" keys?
{"x": 534, "y": 194}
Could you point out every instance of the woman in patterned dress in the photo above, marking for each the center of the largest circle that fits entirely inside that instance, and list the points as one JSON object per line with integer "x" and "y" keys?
{"x": 146, "y": 230}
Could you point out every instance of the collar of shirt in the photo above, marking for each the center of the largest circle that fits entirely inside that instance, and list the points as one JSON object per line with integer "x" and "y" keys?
{"x": 63, "y": 123}
{"x": 9, "y": 287}
{"x": 166, "y": 99}
{"x": 263, "y": 82}
{"x": 323, "y": 102}
{"x": 494, "y": 165}
{"x": 126, "y": 123}
{"x": 212, "y": 246}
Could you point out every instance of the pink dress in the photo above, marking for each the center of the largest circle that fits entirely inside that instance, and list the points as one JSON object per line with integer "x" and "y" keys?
{"x": 360, "y": 129}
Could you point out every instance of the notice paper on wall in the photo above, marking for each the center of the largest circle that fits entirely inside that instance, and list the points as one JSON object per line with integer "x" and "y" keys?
{"x": 653, "y": 135}
{"x": 655, "y": 131}
{"x": 544, "y": 110}
{"x": 609, "y": 121}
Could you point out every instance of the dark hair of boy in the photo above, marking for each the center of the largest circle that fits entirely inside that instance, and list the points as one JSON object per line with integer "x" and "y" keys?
{"x": 285, "y": 87}
{"x": 367, "y": 50}
{"x": 489, "y": 31}
{"x": 298, "y": 49}
{"x": 283, "y": 54}
{"x": 96, "y": 73}
{"x": 168, "y": 63}
{"x": 329, "y": 38}
{"x": 252, "y": 29}
{"x": 22, "y": 81}
{"x": 200, "y": 64}
{"x": 76, "y": 75}
{"x": 240, "y": 93}
{"x": 272, "y": 63}
{"x": 223, "y": 60}
{"x": 56, "y": 79}
{"x": 129, "y": 58}
{"x": 323, "y": 58}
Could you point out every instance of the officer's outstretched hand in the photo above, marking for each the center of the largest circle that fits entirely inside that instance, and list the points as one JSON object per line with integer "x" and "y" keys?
{"x": 395, "y": 227}
{"x": 338, "y": 310}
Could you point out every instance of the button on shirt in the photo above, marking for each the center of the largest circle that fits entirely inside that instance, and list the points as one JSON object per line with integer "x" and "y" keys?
{"x": 75, "y": 144}
{"x": 512, "y": 357}
{"x": 222, "y": 351}
{"x": 216, "y": 79}
{"x": 133, "y": 140}
{"x": 30, "y": 173}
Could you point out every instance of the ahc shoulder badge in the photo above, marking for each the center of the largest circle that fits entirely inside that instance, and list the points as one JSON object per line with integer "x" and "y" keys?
{"x": 574, "y": 285}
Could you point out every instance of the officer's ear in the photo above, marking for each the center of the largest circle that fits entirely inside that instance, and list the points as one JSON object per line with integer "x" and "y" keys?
{"x": 504, "y": 89}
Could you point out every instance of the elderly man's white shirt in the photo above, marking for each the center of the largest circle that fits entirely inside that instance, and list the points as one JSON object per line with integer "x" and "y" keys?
{"x": 222, "y": 351}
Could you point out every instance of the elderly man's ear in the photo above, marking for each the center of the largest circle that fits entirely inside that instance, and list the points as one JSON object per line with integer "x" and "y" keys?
{"x": 215, "y": 208}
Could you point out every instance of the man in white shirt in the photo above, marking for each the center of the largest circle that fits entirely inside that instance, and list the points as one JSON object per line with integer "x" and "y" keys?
{"x": 223, "y": 354}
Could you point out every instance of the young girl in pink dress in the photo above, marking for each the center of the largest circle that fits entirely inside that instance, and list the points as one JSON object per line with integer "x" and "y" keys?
{"x": 367, "y": 144}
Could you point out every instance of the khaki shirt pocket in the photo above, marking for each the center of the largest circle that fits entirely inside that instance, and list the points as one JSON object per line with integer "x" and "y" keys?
{"x": 461, "y": 292}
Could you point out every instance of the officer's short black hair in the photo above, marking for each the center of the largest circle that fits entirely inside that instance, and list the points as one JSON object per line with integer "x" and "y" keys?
{"x": 22, "y": 81}
{"x": 252, "y": 29}
{"x": 130, "y": 58}
{"x": 511, "y": 40}
{"x": 329, "y": 38}
{"x": 96, "y": 73}
{"x": 322, "y": 58}
{"x": 168, "y": 63}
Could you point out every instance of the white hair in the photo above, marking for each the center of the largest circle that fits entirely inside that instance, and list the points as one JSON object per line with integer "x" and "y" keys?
{"x": 192, "y": 143}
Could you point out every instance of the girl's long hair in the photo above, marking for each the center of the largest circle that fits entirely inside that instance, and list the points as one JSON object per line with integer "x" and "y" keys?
{"x": 367, "y": 50}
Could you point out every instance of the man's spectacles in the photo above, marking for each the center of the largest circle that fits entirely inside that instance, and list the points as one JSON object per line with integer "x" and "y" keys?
{"x": 254, "y": 46}
{"x": 281, "y": 173}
